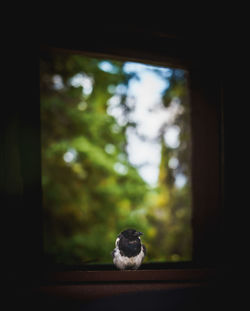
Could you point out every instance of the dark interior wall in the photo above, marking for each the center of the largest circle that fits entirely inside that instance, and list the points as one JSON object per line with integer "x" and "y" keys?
{"x": 20, "y": 140}
{"x": 20, "y": 168}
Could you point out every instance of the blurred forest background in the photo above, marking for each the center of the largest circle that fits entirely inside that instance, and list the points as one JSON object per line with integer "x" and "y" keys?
{"x": 91, "y": 189}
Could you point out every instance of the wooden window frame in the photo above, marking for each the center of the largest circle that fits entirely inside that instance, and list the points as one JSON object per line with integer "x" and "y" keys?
{"x": 207, "y": 169}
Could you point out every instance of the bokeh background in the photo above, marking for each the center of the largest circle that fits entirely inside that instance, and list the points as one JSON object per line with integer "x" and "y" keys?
{"x": 115, "y": 155}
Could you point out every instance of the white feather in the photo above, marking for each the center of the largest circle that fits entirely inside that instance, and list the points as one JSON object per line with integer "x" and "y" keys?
{"x": 122, "y": 262}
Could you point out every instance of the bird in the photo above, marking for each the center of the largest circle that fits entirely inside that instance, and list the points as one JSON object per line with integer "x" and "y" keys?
{"x": 129, "y": 252}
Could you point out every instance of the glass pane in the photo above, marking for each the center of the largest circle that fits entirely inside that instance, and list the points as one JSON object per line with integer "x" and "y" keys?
{"x": 115, "y": 155}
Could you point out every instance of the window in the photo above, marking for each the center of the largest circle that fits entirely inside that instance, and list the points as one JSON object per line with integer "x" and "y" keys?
{"x": 21, "y": 172}
{"x": 116, "y": 153}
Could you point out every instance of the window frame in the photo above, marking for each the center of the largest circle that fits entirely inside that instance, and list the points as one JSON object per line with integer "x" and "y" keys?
{"x": 207, "y": 162}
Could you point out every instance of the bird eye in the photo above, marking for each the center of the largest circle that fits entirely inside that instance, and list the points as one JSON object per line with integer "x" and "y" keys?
{"x": 138, "y": 233}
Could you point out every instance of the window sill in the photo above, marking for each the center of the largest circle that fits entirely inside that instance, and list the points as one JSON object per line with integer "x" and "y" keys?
{"x": 91, "y": 285}
{"x": 166, "y": 275}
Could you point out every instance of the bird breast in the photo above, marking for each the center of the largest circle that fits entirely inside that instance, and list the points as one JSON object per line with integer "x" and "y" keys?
{"x": 124, "y": 262}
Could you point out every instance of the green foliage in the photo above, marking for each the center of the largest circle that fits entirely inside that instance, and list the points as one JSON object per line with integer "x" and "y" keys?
{"x": 91, "y": 192}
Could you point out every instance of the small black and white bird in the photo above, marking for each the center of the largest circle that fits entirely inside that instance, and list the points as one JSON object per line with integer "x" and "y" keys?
{"x": 129, "y": 252}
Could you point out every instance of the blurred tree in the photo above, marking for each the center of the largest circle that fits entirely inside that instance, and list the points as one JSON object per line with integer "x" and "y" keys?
{"x": 90, "y": 190}
{"x": 89, "y": 187}
{"x": 170, "y": 211}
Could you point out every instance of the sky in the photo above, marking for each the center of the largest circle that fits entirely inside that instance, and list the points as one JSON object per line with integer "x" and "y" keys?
{"x": 147, "y": 92}
{"x": 149, "y": 115}
{"x": 144, "y": 94}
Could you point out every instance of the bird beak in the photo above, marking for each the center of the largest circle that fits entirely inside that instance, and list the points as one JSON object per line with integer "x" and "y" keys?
{"x": 139, "y": 233}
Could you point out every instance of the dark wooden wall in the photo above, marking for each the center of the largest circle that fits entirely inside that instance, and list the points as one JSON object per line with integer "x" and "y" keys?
{"x": 206, "y": 57}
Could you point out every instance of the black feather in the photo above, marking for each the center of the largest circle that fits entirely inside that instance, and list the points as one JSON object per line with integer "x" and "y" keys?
{"x": 129, "y": 248}
{"x": 129, "y": 243}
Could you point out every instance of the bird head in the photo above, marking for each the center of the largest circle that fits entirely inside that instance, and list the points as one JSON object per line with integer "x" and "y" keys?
{"x": 131, "y": 234}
